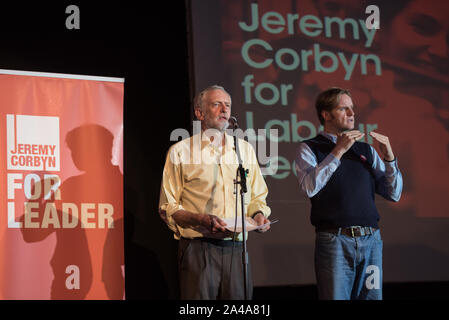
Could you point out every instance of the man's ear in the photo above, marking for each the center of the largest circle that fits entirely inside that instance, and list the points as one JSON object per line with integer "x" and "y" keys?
{"x": 199, "y": 114}
{"x": 326, "y": 115}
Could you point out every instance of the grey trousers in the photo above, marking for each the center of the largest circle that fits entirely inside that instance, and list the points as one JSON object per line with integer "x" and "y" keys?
{"x": 206, "y": 273}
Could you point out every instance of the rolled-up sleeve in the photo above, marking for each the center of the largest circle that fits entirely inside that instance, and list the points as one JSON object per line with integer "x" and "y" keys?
{"x": 388, "y": 177}
{"x": 171, "y": 189}
{"x": 259, "y": 189}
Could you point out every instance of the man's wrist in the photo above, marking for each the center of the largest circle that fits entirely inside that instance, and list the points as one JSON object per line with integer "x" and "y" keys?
{"x": 255, "y": 214}
{"x": 337, "y": 153}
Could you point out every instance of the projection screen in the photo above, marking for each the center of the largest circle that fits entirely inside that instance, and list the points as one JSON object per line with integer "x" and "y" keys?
{"x": 274, "y": 57}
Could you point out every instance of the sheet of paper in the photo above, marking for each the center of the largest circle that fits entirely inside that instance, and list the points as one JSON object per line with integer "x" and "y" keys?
{"x": 249, "y": 224}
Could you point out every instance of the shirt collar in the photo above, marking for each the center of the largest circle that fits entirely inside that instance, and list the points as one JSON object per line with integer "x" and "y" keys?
{"x": 331, "y": 137}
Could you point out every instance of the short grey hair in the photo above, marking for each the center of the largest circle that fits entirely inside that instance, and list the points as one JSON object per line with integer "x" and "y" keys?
{"x": 198, "y": 101}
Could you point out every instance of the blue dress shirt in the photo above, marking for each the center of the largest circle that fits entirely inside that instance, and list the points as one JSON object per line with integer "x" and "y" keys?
{"x": 313, "y": 176}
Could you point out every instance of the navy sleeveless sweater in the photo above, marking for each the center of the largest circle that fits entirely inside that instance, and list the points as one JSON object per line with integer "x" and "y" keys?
{"x": 348, "y": 197}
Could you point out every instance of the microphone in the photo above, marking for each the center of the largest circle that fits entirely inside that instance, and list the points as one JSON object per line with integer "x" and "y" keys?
{"x": 233, "y": 122}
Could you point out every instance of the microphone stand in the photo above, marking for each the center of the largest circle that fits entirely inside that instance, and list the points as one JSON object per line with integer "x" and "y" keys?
{"x": 241, "y": 179}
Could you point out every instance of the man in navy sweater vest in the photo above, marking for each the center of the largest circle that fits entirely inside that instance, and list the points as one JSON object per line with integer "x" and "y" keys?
{"x": 341, "y": 175}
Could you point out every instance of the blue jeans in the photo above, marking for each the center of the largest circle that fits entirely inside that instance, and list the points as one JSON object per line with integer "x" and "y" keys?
{"x": 348, "y": 268}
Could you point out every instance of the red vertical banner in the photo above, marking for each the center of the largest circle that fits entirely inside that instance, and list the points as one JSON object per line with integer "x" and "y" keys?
{"x": 61, "y": 186}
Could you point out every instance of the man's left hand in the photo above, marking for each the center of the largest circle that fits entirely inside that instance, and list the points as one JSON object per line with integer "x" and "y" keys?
{"x": 384, "y": 145}
{"x": 260, "y": 219}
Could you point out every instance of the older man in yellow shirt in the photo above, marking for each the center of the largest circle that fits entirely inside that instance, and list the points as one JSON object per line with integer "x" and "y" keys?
{"x": 197, "y": 193}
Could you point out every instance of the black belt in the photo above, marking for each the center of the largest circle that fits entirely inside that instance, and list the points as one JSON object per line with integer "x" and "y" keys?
{"x": 353, "y": 231}
{"x": 219, "y": 242}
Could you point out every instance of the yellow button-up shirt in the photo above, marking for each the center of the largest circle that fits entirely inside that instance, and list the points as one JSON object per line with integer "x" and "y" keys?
{"x": 199, "y": 177}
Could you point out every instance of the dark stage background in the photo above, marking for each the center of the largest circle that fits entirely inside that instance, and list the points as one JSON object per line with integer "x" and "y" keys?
{"x": 148, "y": 45}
